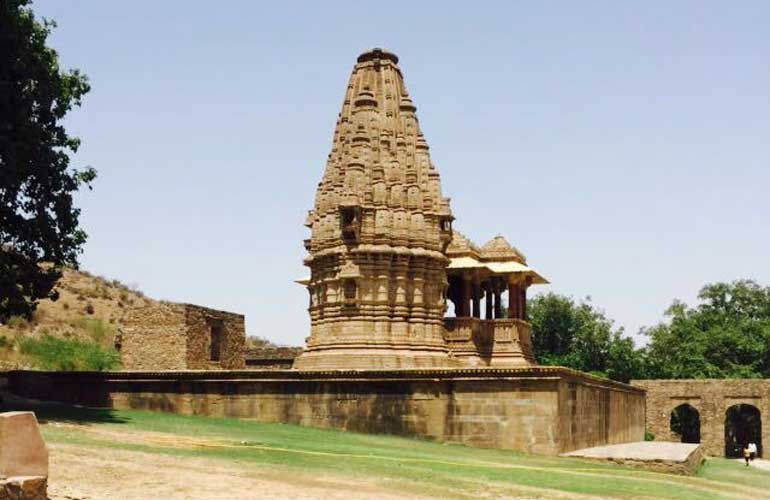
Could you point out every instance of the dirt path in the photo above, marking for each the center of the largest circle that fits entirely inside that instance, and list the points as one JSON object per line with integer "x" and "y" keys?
{"x": 80, "y": 473}
{"x": 761, "y": 463}
{"x": 84, "y": 473}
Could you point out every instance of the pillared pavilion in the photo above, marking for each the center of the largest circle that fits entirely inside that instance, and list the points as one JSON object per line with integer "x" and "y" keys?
{"x": 383, "y": 255}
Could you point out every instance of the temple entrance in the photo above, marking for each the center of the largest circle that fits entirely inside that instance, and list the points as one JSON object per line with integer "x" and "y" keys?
{"x": 685, "y": 422}
{"x": 743, "y": 425}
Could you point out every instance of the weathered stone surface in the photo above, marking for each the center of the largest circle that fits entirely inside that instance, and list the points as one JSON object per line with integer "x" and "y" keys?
{"x": 23, "y": 488}
{"x": 169, "y": 336}
{"x": 382, "y": 253}
{"x": 545, "y": 410}
{"x": 673, "y": 458}
{"x": 276, "y": 358}
{"x": 22, "y": 450}
{"x": 711, "y": 399}
{"x": 379, "y": 229}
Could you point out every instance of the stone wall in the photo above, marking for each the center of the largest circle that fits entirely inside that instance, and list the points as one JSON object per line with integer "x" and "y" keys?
{"x": 271, "y": 358}
{"x": 544, "y": 410}
{"x": 589, "y": 414}
{"x": 154, "y": 337}
{"x": 168, "y": 336}
{"x": 200, "y": 321}
{"x": 711, "y": 398}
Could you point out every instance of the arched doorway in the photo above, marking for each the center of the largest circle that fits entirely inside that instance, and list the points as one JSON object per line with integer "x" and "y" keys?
{"x": 685, "y": 423}
{"x": 743, "y": 425}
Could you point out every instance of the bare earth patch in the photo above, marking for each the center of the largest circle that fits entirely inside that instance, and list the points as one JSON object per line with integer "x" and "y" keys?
{"x": 80, "y": 473}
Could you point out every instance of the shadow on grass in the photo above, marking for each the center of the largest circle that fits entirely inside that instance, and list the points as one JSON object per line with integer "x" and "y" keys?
{"x": 60, "y": 412}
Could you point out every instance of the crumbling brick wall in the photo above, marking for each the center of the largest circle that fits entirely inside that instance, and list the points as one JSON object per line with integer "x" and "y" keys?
{"x": 168, "y": 336}
{"x": 154, "y": 337}
{"x": 200, "y": 321}
{"x": 271, "y": 358}
{"x": 711, "y": 398}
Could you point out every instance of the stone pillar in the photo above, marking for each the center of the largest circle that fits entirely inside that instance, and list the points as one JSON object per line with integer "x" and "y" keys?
{"x": 465, "y": 309}
{"x": 498, "y": 308}
{"x": 488, "y": 297}
{"x": 523, "y": 298}
{"x": 514, "y": 298}
{"x": 476, "y": 298}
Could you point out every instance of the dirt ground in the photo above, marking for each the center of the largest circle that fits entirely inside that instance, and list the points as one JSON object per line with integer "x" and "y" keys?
{"x": 79, "y": 473}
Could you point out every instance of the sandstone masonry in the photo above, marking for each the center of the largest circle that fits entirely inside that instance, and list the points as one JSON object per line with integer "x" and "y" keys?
{"x": 167, "y": 336}
{"x": 544, "y": 410}
{"x": 712, "y": 399}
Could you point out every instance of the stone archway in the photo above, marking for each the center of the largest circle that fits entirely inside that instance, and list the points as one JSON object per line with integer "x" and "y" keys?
{"x": 743, "y": 424}
{"x": 685, "y": 423}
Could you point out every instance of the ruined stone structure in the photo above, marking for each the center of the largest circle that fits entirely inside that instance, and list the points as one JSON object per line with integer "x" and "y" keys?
{"x": 168, "y": 336}
{"x": 727, "y": 412}
{"x": 545, "y": 410}
{"x": 271, "y": 358}
{"x": 378, "y": 250}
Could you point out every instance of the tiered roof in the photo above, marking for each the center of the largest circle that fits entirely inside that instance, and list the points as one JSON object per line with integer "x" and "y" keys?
{"x": 496, "y": 256}
{"x": 379, "y": 158}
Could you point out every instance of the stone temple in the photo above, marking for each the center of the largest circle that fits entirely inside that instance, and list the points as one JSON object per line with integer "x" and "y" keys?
{"x": 384, "y": 257}
{"x": 411, "y": 331}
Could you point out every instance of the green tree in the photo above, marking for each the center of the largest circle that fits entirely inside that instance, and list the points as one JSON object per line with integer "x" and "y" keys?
{"x": 579, "y": 336}
{"x": 38, "y": 221}
{"x": 727, "y": 335}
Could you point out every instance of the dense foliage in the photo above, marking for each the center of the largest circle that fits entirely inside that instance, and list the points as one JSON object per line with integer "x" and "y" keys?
{"x": 726, "y": 335}
{"x": 38, "y": 221}
{"x": 577, "y": 335}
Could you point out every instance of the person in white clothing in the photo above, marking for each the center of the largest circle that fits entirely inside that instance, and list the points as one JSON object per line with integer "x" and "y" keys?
{"x": 752, "y": 451}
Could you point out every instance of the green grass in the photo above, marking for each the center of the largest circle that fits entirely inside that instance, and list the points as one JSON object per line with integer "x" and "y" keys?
{"x": 97, "y": 329}
{"x": 416, "y": 465}
{"x": 51, "y": 353}
{"x": 733, "y": 471}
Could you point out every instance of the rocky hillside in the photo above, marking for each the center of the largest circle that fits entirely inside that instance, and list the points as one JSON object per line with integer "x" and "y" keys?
{"x": 89, "y": 309}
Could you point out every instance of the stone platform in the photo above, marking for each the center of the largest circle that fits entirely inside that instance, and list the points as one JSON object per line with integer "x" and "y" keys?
{"x": 543, "y": 410}
{"x": 659, "y": 456}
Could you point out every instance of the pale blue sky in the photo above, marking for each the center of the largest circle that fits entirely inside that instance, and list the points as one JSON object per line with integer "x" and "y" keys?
{"x": 623, "y": 146}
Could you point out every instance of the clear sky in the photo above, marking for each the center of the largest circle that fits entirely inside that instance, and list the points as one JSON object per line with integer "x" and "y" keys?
{"x": 624, "y": 147}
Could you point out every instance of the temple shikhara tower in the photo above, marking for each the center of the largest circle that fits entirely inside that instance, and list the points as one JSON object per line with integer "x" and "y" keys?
{"x": 383, "y": 255}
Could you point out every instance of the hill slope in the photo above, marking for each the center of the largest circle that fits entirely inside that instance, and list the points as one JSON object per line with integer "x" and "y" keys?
{"x": 90, "y": 309}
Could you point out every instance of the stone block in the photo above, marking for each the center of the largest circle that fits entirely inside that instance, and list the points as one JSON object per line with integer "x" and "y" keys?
{"x": 22, "y": 450}
{"x": 24, "y": 488}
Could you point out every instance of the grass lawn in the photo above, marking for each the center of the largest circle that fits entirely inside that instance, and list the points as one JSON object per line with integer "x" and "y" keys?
{"x": 426, "y": 467}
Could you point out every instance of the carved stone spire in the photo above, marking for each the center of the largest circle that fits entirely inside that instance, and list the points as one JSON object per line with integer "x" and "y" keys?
{"x": 379, "y": 232}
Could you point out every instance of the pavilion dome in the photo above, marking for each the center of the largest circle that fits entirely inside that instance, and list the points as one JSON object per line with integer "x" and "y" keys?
{"x": 498, "y": 248}
{"x": 461, "y": 245}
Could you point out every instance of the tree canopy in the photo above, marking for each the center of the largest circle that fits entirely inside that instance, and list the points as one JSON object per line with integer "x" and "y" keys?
{"x": 579, "y": 336}
{"x": 726, "y": 335}
{"x": 38, "y": 220}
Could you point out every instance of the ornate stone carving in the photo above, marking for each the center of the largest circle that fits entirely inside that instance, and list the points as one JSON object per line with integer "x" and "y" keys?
{"x": 383, "y": 256}
{"x": 379, "y": 229}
